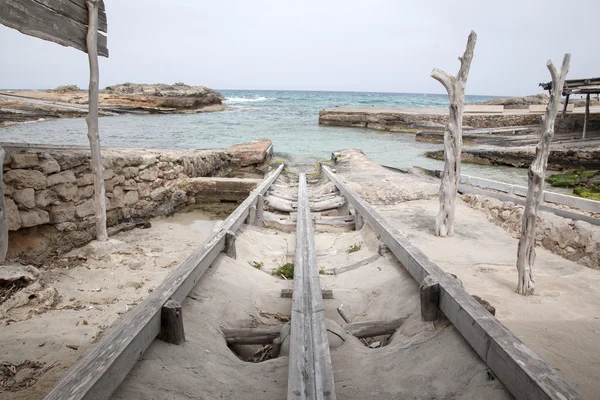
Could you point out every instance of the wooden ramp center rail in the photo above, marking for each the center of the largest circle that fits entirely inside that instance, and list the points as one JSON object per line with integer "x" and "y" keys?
{"x": 310, "y": 374}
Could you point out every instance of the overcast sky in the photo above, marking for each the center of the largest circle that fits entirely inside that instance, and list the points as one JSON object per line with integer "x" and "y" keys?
{"x": 350, "y": 45}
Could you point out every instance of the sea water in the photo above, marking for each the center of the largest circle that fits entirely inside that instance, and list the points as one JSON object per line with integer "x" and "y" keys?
{"x": 288, "y": 118}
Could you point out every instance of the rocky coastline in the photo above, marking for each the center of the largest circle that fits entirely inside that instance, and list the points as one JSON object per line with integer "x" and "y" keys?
{"x": 127, "y": 98}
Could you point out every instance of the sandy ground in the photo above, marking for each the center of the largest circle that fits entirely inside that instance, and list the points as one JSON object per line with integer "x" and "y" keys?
{"x": 234, "y": 294}
{"x": 44, "y": 335}
{"x": 561, "y": 322}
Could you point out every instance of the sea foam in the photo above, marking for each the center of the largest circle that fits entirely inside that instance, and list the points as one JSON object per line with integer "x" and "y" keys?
{"x": 247, "y": 100}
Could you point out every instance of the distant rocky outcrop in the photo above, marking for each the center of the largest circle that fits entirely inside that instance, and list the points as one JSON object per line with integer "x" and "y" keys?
{"x": 66, "y": 89}
{"x": 178, "y": 95}
{"x": 518, "y": 102}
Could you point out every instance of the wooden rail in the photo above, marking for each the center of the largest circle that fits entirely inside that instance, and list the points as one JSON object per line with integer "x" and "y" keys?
{"x": 523, "y": 373}
{"x": 104, "y": 366}
{"x": 310, "y": 375}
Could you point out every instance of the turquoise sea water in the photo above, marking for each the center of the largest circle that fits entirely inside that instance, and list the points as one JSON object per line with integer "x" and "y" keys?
{"x": 288, "y": 118}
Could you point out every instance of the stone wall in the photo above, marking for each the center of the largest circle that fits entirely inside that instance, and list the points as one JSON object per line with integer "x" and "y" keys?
{"x": 49, "y": 191}
{"x": 577, "y": 241}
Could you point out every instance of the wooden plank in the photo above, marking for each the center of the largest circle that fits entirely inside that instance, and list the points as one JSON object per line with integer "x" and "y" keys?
{"x": 34, "y": 19}
{"x": 103, "y": 367}
{"x": 171, "y": 323}
{"x": 586, "y": 115}
{"x": 310, "y": 374}
{"x": 229, "y": 249}
{"x": 261, "y": 335}
{"x": 429, "y": 292}
{"x": 523, "y": 373}
{"x": 269, "y": 334}
{"x": 374, "y": 328}
{"x": 326, "y": 294}
{"x": 73, "y": 11}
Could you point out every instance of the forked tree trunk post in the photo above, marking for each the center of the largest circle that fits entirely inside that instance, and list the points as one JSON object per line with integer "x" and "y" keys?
{"x": 535, "y": 188}
{"x": 3, "y": 216}
{"x": 92, "y": 121}
{"x": 455, "y": 86}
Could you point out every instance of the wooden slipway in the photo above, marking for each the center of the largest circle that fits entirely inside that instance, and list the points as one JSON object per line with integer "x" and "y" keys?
{"x": 313, "y": 208}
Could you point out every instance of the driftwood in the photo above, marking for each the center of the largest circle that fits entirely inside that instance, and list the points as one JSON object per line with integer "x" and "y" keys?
{"x": 3, "y": 216}
{"x": 266, "y": 335}
{"x": 92, "y": 122}
{"x": 455, "y": 86}
{"x": 535, "y": 188}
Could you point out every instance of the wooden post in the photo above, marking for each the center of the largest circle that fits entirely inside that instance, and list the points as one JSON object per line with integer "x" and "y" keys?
{"x": 260, "y": 209}
{"x": 587, "y": 114}
{"x": 277, "y": 342}
{"x": 430, "y": 298}
{"x": 535, "y": 188}
{"x": 92, "y": 122}
{"x": 3, "y": 216}
{"x": 343, "y": 209}
{"x": 230, "y": 245}
{"x": 171, "y": 323}
{"x": 564, "y": 112}
{"x": 251, "y": 215}
{"x": 358, "y": 221}
{"x": 455, "y": 86}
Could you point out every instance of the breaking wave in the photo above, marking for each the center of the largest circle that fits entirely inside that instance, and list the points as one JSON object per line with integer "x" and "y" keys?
{"x": 247, "y": 100}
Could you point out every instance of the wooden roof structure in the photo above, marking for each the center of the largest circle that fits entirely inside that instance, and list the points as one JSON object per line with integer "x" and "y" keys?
{"x": 578, "y": 86}
{"x": 61, "y": 21}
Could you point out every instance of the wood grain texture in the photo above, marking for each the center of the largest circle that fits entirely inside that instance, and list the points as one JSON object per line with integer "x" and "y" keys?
{"x": 310, "y": 374}
{"x": 535, "y": 183}
{"x": 101, "y": 369}
{"x": 455, "y": 86}
{"x": 35, "y": 19}
{"x": 73, "y": 11}
{"x": 429, "y": 293}
{"x": 171, "y": 323}
{"x": 523, "y": 373}
{"x": 92, "y": 123}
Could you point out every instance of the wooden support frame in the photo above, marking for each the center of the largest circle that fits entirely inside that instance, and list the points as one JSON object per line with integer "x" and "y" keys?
{"x": 586, "y": 115}
{"x": 523, "y": 373}
{"x": 229, "y": 249}
{"x": 310, "y": 374}
{"x": 564, "y": 111}
{"x": 260, "y": 209}
{"x": 103, "y": 367}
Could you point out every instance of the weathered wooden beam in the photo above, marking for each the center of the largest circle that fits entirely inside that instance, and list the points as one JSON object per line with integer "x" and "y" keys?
{"x": 104, "y": 366}
{"x": 327, "y": 294}
{"x": 261, "y": 335}
{"x": 229, "y": 249}
{"x": 429, "y": 292}
{"x": 356, "y": 265}
{"x": 3, "y": 215}
{"x": 523, "y": 373}
{"x": 268, "y": 334}
{"x": 586, "y": 115}
{"x": 171, "y": 323}
{"x": 76, "y": 12}
{"x": 564, "y": 111}
{"x": 310, "y": 374}
{"x": 92, "y": 123}
{"x": 34, "y": 19}
{"x": 358, "y": 221}
{"x": 260, "y": 209}
{"x": 251, "y": 215}
{"x": 374, "y": 328}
